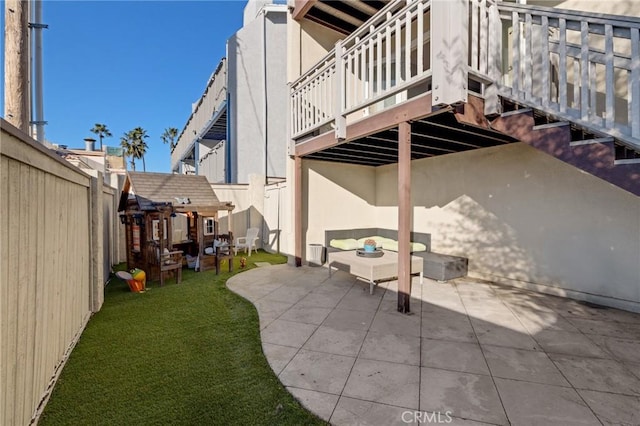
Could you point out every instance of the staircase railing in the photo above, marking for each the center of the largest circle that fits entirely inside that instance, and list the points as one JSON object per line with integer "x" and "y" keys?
{"x": 582, "y": 66}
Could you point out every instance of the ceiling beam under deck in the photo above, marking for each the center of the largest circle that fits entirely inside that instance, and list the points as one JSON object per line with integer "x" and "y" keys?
{"x": 350, "y": 159}
{"x": 420, "y": 150}
{"x": 479, "y": 132}
{"x": 301, "y": 8}
{"x": 327, "y": 8}
{"x": 374, "y": 146}
{"x": 446, "y": 140}
{"x": 363, "y": 7}
{"x": 352, "y": 147}
{"x": 424, "y": 138}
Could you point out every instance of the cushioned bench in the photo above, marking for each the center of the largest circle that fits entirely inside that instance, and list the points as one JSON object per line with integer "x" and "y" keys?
{"x": 437, "y": 266}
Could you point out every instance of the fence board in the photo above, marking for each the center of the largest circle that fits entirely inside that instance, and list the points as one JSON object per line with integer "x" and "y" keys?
{"x": 4, "y": 290}
{"x": 44, "y": 281}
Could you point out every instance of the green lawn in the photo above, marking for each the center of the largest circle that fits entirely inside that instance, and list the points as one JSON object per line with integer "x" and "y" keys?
{"x": 179, "y": 354}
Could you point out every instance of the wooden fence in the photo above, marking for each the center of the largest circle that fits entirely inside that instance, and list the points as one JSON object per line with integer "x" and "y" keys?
{"x": 51, "y": 268}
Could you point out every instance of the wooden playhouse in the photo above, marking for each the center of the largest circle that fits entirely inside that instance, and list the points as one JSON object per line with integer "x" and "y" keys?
{"x": 171, "y": 221}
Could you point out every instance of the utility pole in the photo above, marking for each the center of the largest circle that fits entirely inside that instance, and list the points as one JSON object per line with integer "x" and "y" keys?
{"x": 36, "y": 31}
{"x": 16, "y": 64}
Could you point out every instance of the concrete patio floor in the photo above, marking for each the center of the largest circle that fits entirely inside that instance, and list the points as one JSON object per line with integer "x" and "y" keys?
{"x": 470, "y": 353}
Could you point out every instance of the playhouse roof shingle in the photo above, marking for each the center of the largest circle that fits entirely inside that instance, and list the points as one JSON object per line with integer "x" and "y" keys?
{"x": 153, "y": 189}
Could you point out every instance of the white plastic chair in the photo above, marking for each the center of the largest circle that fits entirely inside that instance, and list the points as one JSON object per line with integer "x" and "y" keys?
{"x": 248, "y": 242}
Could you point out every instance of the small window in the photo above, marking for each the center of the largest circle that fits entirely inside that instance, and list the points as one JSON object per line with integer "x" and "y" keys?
{"x": 209, "y": 226}
{"x": 156, "y": 230}
{"x": 135, "y": 230}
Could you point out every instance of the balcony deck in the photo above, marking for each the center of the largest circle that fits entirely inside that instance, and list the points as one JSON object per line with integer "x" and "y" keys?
{"x": 587, "y": 72}
{"x": 207, "y": 123}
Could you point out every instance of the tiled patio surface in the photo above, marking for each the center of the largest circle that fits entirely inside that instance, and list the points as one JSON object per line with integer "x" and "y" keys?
{"x": 471, "y": 352}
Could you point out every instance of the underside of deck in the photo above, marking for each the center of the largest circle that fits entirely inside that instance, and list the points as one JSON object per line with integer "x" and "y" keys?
{"x": 373, "y": 141}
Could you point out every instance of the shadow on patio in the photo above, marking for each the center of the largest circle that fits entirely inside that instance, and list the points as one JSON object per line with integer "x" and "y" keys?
{"x": 471, "y": 352}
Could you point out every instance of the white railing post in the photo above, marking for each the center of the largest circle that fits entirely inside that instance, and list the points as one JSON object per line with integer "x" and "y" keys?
{"x": 494, "y": 69}
{"x": 449, "y": 50}
{"x": 515, "y": 66}
{"x": 339, "y": 95}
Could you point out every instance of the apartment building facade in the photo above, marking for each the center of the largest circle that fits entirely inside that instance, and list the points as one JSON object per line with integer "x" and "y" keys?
{"x": 237, "y": 128}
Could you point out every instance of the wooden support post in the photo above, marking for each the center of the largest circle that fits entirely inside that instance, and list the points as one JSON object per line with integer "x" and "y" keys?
{"x": 230, "y": 223}
{"x": 404, "y": 216}
{"x": 200, "y": 233}
{"x": 298, "y": 210}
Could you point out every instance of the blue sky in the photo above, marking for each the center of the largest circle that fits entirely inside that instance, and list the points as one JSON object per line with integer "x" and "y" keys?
{"x": 129, "y": 64}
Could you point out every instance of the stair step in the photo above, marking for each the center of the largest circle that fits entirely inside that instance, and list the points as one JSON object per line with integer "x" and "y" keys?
{"x": 515, "y": 111}
{"x": 590, "y": 141}
{"x": 551, "y": 125}
{"x": 626, "y": 161}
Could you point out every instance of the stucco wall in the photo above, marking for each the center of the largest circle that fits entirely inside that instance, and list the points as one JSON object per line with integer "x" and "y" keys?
{"x": 308, "y": 42}
{"x": 277, "y": 95}
{"x": 527, "y": 219}
{"x": 341, "y": 196}
{"x": 247, "y": 98}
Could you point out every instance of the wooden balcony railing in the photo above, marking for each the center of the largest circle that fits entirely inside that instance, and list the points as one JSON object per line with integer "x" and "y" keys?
{"x": 581, "y": 66}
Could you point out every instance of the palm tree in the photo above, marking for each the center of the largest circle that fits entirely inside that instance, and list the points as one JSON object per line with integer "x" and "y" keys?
{"x": 126, "y": 142}
{"x": 139, "y": 145}
{"x": 169, "y": 136}
{"x": 102, "y": 131}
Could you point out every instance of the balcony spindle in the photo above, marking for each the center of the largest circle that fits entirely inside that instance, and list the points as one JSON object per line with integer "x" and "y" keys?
{"x": 593, "y": 91}
{"x": 576, "y": 84}
{"x": 388, "y": 54}
{"x": 363, "y": 79}
{"x": 370, "y": 73}
{"x": 407, "y": 47}
{"x": 562, "y": 71}
{"x": 527, "y": 56}
{"x": 399, "y": 79}
{"x": 420, "y": 37}
{"x": 379, "y": 64}
{"x": 584, "y": 70}
{"x": 609, "y": 82}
